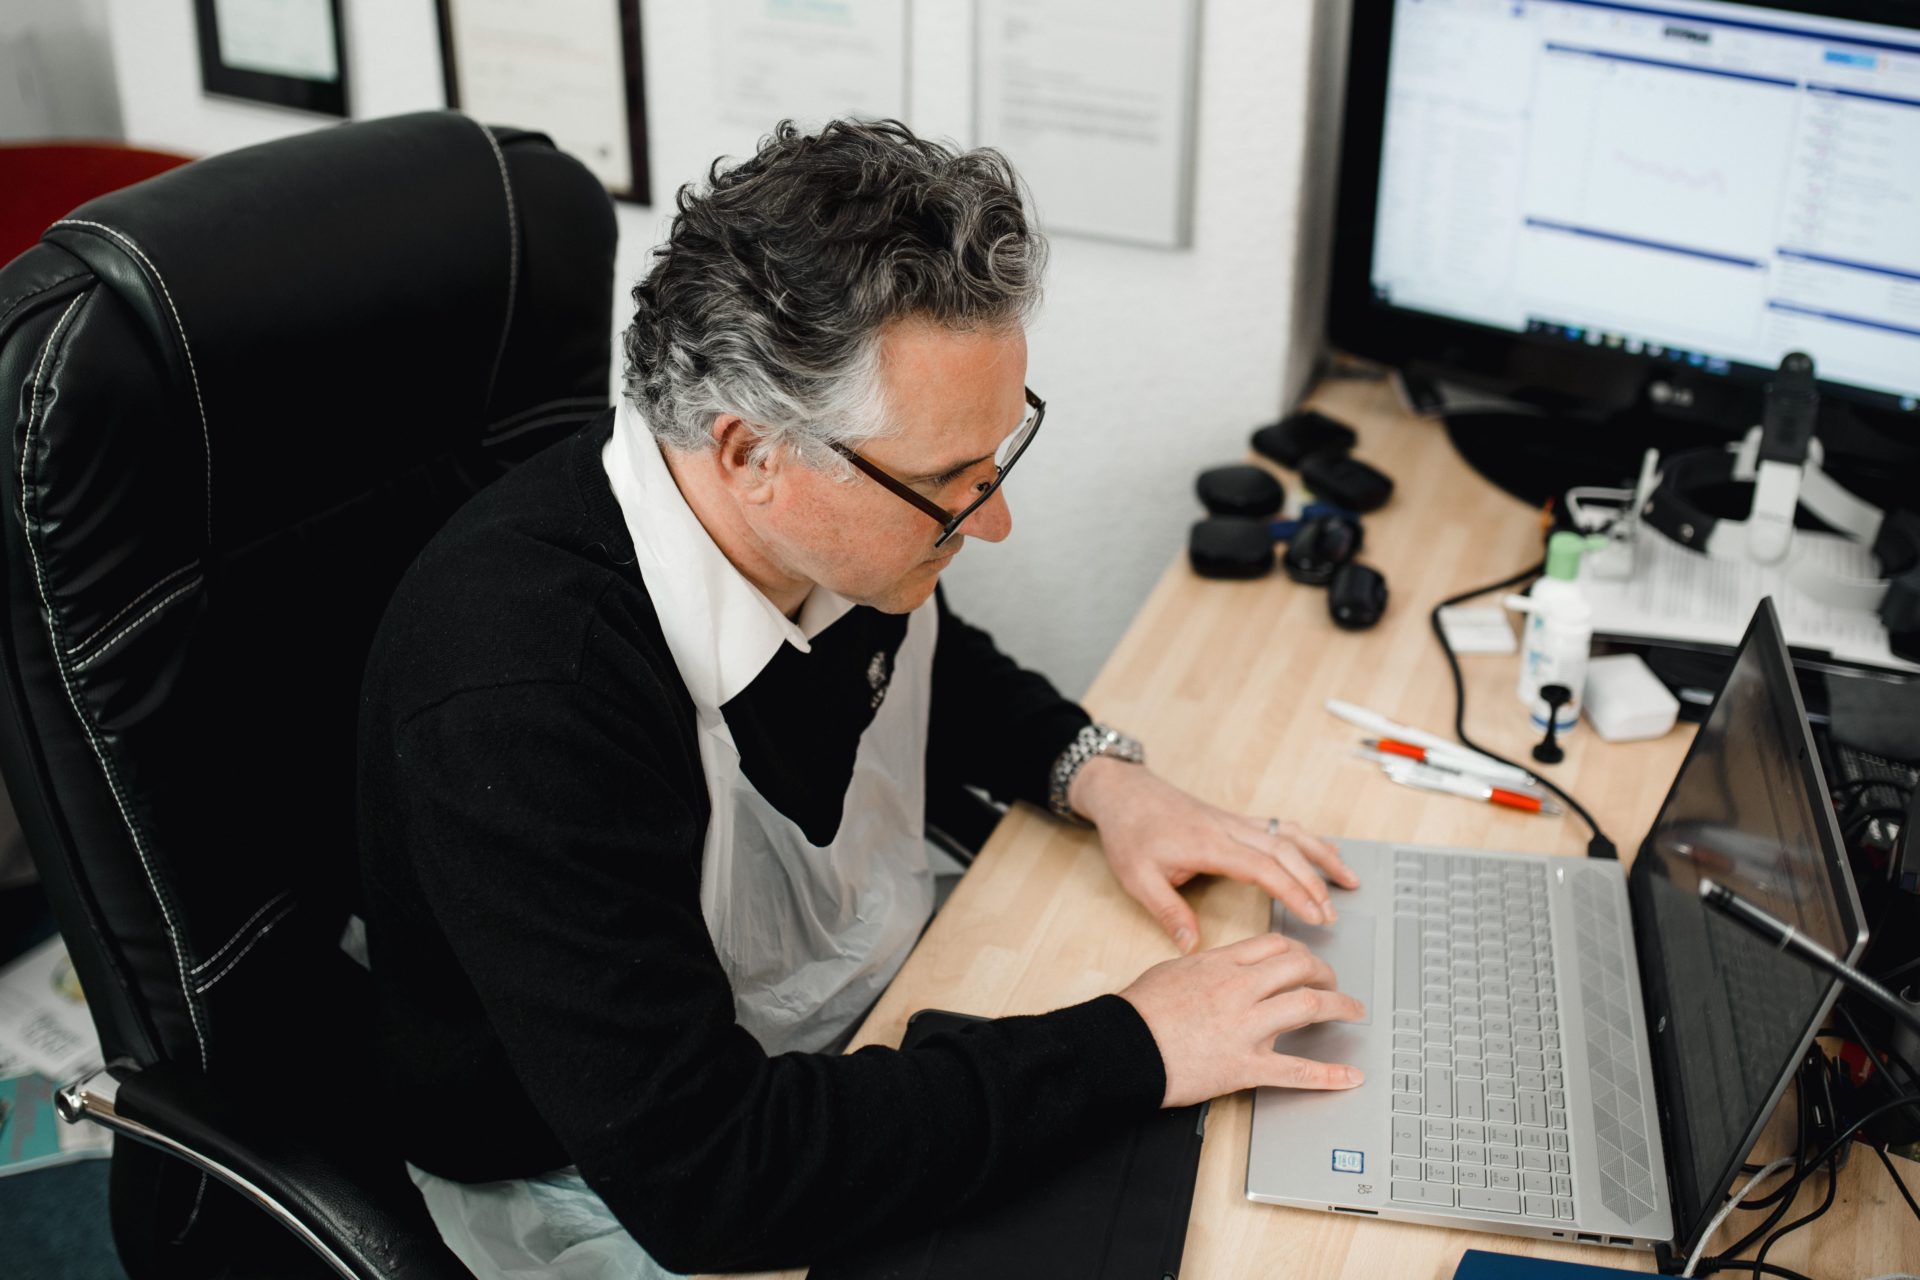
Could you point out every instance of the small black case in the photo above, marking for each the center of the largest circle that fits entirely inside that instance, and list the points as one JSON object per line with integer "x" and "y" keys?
{"x": 1320, "y": 547}
{"x": 1346, "y": 480}
{"x": 1299, "y": 436}
{"x": 1239, "y": 490}
{"x": 1230, "y": 547}
{"x": 1357, "y": 596}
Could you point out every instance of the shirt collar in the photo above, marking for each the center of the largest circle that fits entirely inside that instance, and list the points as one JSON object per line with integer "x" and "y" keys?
{"x": 721, "y": 630}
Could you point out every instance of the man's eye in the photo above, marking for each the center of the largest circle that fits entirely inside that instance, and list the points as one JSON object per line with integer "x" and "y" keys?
{"x": 942, "y": 481}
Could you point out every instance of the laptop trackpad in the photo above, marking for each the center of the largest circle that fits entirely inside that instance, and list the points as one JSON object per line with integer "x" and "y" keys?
{"x": 1347, "y": 946}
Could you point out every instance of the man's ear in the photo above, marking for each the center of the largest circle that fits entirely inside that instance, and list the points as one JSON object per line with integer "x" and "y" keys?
{"x": 734, "y": 441}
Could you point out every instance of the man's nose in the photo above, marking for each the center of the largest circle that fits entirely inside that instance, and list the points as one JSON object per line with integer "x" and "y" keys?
{"x": 992, "y": 522}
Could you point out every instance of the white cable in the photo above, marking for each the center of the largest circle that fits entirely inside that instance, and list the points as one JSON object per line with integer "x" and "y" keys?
{"x": 1733, "y": 1202}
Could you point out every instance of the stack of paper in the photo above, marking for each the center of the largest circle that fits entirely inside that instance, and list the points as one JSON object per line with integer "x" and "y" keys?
{"x": 1683, "y": 597}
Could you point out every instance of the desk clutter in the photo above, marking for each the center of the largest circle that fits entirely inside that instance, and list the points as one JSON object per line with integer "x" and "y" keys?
{"x": 1244, "y": 505}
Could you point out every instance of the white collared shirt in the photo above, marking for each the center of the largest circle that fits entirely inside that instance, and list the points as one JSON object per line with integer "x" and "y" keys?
{"x": 721, "y": 630}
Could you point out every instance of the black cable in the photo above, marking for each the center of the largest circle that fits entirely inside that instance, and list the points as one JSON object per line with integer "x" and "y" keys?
{"x": 1898, "y": 1181}
{"x": 1899, "y": 971}
{"x": 1852, "y": 785}
{"x": 1846, "y": 1135}
{"x": 1913, "y": 1077}
{"x": 1833, "y": 1186}
{"x": 1599, "y": 846}
{"x": 1710, "y": 1265}
{"x": 1864, "y": 818}
{"x": 1782, "y": 1196}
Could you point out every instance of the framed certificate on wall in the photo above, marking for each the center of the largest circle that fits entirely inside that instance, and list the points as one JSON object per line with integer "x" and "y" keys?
{"x": 1095, "y": 101}
{"x": 289, "y": 53}
{"x": 567, "y": 68}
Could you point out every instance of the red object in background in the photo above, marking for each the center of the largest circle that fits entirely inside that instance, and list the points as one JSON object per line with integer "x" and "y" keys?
{"x": 40, "y": 183}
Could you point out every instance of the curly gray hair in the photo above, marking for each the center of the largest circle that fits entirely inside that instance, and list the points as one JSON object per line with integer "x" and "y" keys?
{"x": 768, "y": 298}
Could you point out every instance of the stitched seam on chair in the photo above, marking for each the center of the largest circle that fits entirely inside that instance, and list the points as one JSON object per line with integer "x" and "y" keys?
{"x": 14, "y": 304}
{"x": 134, "y": 626}
{"x": 193, "y": 1214}
{"x": 513, "y": 259}
{"x": 239, "y": 955}
{"x": 265, "y": 907}
{"x": 33, "y": 401}
{"x": 174, "y": 940}
{"x": 206, "y": 436}
{"x": 131, "y": 605}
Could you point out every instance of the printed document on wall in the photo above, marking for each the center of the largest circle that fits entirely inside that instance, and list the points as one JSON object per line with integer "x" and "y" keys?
{"x": 807, "y": 60}
{"x": 278, "y": 37}
{"x": 568, "y": 68}
{"x": 1093, "y": 101}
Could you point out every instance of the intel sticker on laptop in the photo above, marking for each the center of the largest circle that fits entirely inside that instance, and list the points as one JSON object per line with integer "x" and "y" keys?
{"x": 1348, "y": 1161}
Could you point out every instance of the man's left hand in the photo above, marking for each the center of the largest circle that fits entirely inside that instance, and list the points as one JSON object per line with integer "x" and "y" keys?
{"x": 1157, "y": 837}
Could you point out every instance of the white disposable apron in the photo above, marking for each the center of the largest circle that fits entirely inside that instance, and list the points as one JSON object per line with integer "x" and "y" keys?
{"x": 809, "y": 935}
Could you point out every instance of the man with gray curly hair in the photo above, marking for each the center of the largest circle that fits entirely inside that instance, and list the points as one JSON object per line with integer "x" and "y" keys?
{"x": 647, "y": 738}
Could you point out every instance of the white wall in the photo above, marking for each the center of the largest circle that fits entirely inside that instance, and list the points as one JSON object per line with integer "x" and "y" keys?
{"x": 1154, "y": 363}
{"x": 56, "y": 74}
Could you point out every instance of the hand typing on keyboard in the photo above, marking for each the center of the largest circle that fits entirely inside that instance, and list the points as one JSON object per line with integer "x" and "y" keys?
{"x": 1215, "y": 1014}
{"x": 1157, "y": 837}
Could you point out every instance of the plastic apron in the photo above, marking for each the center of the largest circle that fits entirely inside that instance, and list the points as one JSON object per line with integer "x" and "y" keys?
{"x": 809, "y": 935}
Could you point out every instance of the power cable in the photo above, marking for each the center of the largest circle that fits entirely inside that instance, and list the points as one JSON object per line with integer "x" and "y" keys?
{"x": 1599, "y": 846}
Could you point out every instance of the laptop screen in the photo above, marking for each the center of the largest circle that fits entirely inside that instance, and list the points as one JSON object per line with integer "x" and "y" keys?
{"x": 1730, "y": 1016}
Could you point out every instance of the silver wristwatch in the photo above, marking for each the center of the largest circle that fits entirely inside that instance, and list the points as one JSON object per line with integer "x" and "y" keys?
{"x": 1095, "y": 740}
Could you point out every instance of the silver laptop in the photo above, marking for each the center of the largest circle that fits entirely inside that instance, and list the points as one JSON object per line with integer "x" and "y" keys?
{"x": 1555, "y": 1049}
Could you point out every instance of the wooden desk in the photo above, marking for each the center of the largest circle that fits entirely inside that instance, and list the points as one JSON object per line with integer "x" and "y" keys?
{"x": 1225, "y": 683}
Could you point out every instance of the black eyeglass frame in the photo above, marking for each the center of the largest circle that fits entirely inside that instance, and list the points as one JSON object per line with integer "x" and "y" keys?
{"x": 949, "y": 523}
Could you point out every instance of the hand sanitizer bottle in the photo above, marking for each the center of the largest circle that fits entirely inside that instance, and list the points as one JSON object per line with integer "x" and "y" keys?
{"x": 1558, "y": 633}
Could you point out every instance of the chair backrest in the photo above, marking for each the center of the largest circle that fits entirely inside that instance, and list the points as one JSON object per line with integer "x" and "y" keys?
{"x": 244, "y": 394}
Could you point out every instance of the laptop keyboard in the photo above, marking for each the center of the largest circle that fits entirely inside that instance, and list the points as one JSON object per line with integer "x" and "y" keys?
{"x": 1479, "y": 1088}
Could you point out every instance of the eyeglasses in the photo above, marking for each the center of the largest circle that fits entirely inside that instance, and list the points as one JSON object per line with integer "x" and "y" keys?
{"x": 1003, "y": 459}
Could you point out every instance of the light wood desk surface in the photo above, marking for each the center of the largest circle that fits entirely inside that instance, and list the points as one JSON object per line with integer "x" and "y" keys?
{"x": 1225, "y": 682}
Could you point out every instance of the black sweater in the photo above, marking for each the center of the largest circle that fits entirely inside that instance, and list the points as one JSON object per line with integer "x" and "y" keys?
{"x": 532, "y": 812}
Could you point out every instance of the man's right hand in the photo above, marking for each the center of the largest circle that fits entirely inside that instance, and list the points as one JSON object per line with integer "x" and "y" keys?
{"x": 1215, "y": 1014}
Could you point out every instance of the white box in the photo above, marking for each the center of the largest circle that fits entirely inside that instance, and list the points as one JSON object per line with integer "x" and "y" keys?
{"x": 1625, "y": 701}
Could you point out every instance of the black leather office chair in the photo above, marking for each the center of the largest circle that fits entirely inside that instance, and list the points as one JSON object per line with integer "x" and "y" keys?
{"x": 243, "y": 394}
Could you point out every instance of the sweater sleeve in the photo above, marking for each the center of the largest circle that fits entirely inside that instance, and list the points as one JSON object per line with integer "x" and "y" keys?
{"x": 993, "y": 724}
{"x": 564, "y": 872}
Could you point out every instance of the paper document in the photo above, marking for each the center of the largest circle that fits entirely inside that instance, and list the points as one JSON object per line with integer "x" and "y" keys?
{"x": 46, "y": 1039}
{"x": 1682, "y": 596}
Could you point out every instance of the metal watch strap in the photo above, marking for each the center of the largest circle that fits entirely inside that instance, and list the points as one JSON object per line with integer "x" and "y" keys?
{"x": 1095, "y": 739}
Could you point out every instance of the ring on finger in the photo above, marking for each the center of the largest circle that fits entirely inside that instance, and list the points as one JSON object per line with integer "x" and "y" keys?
{"x": 1273, "y": 826}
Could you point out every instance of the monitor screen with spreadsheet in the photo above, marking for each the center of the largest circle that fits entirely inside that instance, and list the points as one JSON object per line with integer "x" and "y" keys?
{"x": 1702, "y": 185}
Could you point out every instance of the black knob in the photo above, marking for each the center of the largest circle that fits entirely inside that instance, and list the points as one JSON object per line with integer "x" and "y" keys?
{"x": 1547, "y": 750}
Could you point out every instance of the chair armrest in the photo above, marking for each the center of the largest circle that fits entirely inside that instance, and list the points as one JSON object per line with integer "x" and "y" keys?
{"x": 365, "y": 1224}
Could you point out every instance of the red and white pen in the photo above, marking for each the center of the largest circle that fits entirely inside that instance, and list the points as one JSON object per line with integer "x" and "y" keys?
{"x": 1426, "y": 777}
{"x": 1440, "y": 760}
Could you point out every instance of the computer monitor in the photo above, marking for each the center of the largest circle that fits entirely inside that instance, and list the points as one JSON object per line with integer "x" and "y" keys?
{"x": 1606, "y": 204}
